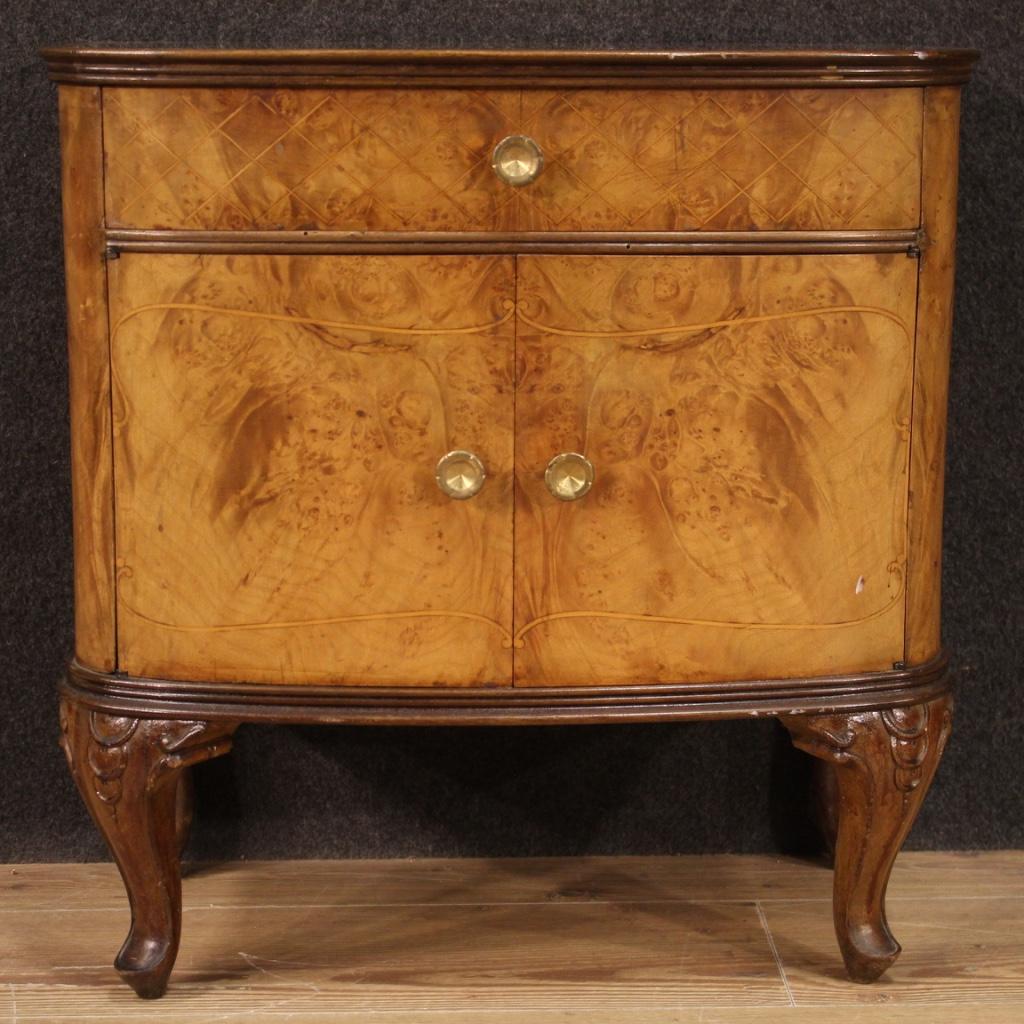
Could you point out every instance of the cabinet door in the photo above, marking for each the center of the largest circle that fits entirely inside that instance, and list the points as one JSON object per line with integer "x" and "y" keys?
{"x": 748, "y": 422}
{"x": 278, "y": 420}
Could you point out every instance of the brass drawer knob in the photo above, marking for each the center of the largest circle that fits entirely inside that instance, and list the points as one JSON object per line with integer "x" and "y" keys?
{"x": 569, "y": 476}
{"x": 460, "y": 474}
{"x": 517, "y": 160}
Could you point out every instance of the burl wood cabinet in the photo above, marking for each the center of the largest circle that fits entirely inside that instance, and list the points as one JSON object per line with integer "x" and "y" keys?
{"x": 505, "y": 388}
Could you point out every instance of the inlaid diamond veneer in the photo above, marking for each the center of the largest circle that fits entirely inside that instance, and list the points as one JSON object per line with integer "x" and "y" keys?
{"x": 419, "y": 159}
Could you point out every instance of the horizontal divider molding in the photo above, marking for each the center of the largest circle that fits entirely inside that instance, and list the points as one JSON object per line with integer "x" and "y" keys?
{"x": 390, "y": 242}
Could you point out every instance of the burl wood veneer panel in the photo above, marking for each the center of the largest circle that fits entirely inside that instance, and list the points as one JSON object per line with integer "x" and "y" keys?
{"x": 931, "y": 394}
{"x": 749, "y": 422}
{"x": 88, "y": 375}
{"x": 419, "y": 159}
{"x": 360, "y": 159}
{"x": 277, "y": 424}
{"x": 727, "y": 160}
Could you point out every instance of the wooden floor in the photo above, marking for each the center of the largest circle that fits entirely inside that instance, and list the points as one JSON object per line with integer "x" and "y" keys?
{"x": 720, "y": 940}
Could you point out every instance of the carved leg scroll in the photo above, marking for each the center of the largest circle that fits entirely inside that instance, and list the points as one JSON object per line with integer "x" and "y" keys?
{"x": 884, "y": 762}
{"x": 130, "y": 772}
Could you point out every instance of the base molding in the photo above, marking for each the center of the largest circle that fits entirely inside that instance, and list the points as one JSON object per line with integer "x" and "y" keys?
{"x": 118, "y": 694}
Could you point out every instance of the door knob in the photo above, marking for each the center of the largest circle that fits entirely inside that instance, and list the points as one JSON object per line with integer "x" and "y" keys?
{"x": 460, "y": 474}
{"x": 569, "y": 476}
{"x": 517, "y": 160}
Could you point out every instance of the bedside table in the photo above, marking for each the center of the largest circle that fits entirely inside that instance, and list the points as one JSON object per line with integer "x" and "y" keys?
{"x": 506, "y": 388}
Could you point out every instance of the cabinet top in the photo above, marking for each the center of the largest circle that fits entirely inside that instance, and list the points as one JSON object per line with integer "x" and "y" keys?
{"x": 508, "y": 68}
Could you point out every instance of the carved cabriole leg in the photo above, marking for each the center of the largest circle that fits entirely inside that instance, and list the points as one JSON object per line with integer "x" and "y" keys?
{"x": 884, "y": 762}
{"x": 825, "y": 805}
{"x": 130, "y": 772}
{"x": 184, "y": 806}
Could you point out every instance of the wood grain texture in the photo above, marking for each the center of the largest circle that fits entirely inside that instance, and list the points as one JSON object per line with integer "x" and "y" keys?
{"x": 963, "y": 913}
{"x": 278, "y": 420}
{"x": 748, "y": 419}
{"x": 963, "y": 953}
{"x": 365, "y": 159}
{"x": 721, "y": 160}
{"x": 509, "y": 68}
{"x": 338, "y": 704}
{"x": 51, "y": 1004}
{"x": 88, "y": 374}
{"x": 419, "y": 160}
{"x": 480, "y": 958}
{"x": 931, "y": 372}
{"x": 918, "y": 875}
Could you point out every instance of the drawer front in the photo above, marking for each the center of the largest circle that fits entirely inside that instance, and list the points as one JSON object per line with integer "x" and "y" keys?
{"x": 296, "y": 159}
{"x": 419, "y": 159}
{"x": 277, "y": 425}
{"x": 748, "y": 421}
{"x": 725, "y": 160}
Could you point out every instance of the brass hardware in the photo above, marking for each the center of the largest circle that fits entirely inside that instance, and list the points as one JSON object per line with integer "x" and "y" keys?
{"x": 517, "y": 160}
{"x": 460, "y": 474}
{"x": 569, "y": 476}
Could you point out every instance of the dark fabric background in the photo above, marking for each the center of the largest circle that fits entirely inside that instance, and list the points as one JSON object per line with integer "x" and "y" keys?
{"x": 346, "y": 792}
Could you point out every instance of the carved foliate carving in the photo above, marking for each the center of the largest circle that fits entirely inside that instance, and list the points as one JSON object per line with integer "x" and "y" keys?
{"x": 107, "y": 756}
{"x": 834, "y": 738}
{"x": 908, "y": 742}
{"x": 112, "y": 740}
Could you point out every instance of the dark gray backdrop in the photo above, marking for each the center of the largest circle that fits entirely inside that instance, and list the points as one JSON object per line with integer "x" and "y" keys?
{"x": 294, "y": 792}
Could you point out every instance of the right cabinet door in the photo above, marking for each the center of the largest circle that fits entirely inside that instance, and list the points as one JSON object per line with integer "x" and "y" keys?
{"x": 748, "y": 421}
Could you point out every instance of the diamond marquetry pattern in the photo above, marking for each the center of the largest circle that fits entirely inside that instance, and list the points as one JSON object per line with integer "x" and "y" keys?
{"x": 419, "y": 160}
{"x": 376, "y": 160}
{"x": 690, "y": 160}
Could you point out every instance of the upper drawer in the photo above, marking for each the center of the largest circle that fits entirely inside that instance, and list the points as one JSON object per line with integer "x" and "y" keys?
{"x": 725, "y": 160}
{"x": 419, "y": 159}
{"x": 352, "y": 159}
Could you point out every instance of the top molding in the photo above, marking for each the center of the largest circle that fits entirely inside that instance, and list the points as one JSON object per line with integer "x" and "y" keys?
{"x": 509, "y": 68}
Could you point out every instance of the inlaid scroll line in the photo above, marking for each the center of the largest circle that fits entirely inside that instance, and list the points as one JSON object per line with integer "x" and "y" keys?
{"x": 327, "y": 621}
{"x": 519, "y": 642}
{"x": 651, "y": 332}
{"x": 340, "y": 325}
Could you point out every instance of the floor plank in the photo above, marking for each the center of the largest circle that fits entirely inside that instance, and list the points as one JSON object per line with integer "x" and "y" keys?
{"x": 533, "y": 956}
{"x": 628, "y": 879}
{"x": 675, "y": 940}
{"x": 955, "y": 950}
{"x": 38, "y": 1007}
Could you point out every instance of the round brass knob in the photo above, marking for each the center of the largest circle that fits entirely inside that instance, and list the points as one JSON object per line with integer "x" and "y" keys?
{"x": 569, "y": 476}
{"x": 460, "y": 474}
{"x": 517, "y": 160}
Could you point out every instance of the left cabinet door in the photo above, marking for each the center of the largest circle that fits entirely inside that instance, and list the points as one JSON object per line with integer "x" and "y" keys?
{"x": 277, "y": 425}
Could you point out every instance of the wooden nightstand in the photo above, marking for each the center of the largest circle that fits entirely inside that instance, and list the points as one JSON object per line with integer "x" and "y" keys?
{"x": 504, "y": 388}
